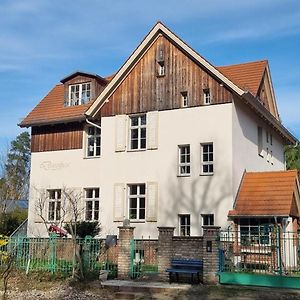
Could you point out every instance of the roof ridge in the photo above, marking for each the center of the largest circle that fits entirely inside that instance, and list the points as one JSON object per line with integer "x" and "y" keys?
{"x": 278, "y": 171}
{"x": 244, "y": 63}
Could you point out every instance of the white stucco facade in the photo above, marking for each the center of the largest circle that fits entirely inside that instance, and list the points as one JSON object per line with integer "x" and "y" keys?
{"x": 230, "y": 127}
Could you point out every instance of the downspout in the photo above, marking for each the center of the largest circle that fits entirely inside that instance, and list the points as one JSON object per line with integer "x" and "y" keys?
{"x": 91, "y": 123}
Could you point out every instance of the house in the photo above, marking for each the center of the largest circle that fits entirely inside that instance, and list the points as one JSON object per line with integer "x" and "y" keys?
{"x": 165, "y": 141}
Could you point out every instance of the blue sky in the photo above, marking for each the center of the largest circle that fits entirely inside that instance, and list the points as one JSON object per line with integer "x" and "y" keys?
{"x": 41, "y": 41}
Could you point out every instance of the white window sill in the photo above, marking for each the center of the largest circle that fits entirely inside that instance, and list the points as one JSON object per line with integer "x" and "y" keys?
{"x": 183, "y": 175}
{"x": 206, "y": 174}
{"x": 91, "y": 157}
{"x": 137, "y": 221}
{"x": 136, "y": 150}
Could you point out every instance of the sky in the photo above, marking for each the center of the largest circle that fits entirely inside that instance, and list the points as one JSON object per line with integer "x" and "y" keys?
{"x": 42, "y": 41}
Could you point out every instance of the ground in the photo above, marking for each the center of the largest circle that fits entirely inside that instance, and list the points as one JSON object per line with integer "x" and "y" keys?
{"x": 39, "y": 286}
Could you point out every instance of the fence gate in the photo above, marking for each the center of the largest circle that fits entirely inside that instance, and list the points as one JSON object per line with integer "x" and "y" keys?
{"x": 261, "y": 256}
{"x": 143, "y": 257}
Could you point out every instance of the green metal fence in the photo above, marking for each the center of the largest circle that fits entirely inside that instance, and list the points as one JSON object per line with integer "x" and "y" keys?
{"x": 260, "y": 255}
{"x": 56, "y": 255}
{"x": 143, "y": 257}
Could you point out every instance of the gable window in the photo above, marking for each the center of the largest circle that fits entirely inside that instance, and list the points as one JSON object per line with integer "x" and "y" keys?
{"x": 54, "y": 205}
{"x": 79, "y": 94}
{"x": 207, "y": 96}
{"x": 137, "y": 202}
{"x": 161, "y": 68}
{"x": 184, "y": 225}
{"x": 260, "y": 141}
{"x": 208, "y": 220}
{"x": 138, "y": 127}
{"x": 184, "y": 160}
{"x": 92, "y": 204}
{"x": 207, "y": 159}
{"x": 93, "y": 141}
{"x": 184, "y": 99}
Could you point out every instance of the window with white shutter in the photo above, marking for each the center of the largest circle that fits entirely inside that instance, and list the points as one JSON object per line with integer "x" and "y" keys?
{"x": 152, "y": 201}
{"x": 119, "y": 199}
{"x": 152, "y": 130}
{"x": 121, "y": 121}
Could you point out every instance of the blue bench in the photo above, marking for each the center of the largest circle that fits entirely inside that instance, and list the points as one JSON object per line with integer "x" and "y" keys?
{"x": 185, "y": 266}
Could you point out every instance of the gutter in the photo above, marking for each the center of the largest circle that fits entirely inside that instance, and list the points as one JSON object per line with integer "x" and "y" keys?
{"x": 259, "y": 108}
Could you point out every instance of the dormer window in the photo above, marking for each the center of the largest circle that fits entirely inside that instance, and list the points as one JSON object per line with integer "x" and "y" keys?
{"x": 207, "y": 96}
{"x": 79, "y": 94}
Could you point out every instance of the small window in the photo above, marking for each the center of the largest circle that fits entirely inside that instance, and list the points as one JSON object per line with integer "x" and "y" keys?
{"x": 79, "y": 94}
{"x": 260, "y": 141}
{"x": 92, "y": 204}
{"x": 268, "y": 155}
{"x": 271, "y": 158}
{"x": 208, "y": 220}
{"x": 161, "y": 68}
{"x": 207, "y": 96}
{"x": 137, "y": 202}
{"x": 207, "y": 159}
{"x": 271, "y": 139}
{"x": 184, "y": 160}
{"x": 184, "y": 225}
{"x": 184, "y": 99}
{"x": 54, "y": 205}
{"x": 267, "y": 136}
{"x": 93, "y": 143}
{"x": 138, "y": 126}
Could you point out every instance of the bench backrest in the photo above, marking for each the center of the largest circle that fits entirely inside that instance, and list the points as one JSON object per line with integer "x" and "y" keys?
{"x": 188, "y": 263}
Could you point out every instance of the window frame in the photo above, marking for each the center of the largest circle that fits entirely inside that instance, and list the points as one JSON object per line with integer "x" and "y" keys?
{"x": 209, "y": 162}
{"x": 139, "y": 129}
{"x": 94, "y": 136}
{"x": 138, "y": 196}
{"x": 80, "y": 100}
{"x": 210, "y": 217}
{"x": 56, "y": 202}
{"x": 184, "y": 229}
{"x": 161, "y": 69}
{"x": 206, "y": 96}
{"x": 185, "y": 164}
{"x": 184, "y": 99}
{"x": 260, "y": 144}
{"x": 94, "y": 199}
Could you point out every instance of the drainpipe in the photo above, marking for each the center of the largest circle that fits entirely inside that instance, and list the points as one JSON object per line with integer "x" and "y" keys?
{"x": 91, "y": 123}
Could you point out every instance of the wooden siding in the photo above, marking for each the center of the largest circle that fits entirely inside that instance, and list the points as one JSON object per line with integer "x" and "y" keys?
{"x": 143, "y": 90}
{"x": 56, "y": 137}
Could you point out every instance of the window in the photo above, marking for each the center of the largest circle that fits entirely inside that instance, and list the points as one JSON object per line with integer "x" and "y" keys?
{"x": 93, "y": 141}
{"x": 79, "y": 94}
{"x": 137, "y": 201}
{"x": 267, "y": 136}
{"x": 92, "y": 204}
{"x": 54, "y": 205}
{"x": 255, "y": 231}
{"x": 208, "y": 220}
{"x": 184, "y": 225}
{"x": 207, "y": 159}
{"x": 138, "y": 132}
{"x": 161, "y": 68}
{"x": 271, "y": 139}
{"x": 271, "y": 158}
{"x": 207, "y": 96}
{"x": 260, "y": 141}
{"x": 184, "y": 99}
{"x": 268, "y": 155}
{"x": 184, "y": 160}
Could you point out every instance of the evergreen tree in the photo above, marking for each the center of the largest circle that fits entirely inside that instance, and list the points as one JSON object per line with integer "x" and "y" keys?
{"x": 292, "y": 157}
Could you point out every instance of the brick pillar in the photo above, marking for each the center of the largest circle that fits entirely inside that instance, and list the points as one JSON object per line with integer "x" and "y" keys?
{"x": 125, "y": 235}
{"x": 165, "y": 250}
{"x": 210, "y": 253}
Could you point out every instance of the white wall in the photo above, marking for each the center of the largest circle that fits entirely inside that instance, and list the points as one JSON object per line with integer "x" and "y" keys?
{"x": 176, "y": 195}
{"x": 245, "y": 150}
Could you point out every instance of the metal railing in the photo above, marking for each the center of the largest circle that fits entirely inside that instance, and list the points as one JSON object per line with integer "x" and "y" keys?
{"x": 269, "y": 251}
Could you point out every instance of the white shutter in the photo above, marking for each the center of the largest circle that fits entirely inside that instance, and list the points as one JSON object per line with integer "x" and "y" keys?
{"x": 152, "y": 199}
{"x": 152, "y": 130}
{"x": 119, "y": 201}
{"x": 120, "y": 132}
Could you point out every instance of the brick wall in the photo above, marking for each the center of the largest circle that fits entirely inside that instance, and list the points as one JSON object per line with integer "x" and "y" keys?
{"x": 188, "y": 247}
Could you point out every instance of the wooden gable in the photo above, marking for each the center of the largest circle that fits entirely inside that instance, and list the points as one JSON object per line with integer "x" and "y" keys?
{"x": 143, "y": 89}
{"x": 266, "y": 94}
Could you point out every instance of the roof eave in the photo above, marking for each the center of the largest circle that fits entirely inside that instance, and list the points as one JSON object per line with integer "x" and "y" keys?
{"x": 260, "y": 109}
{"x": 52, "y": 122}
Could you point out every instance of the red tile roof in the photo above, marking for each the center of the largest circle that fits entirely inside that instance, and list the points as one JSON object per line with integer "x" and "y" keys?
{"x": 246, "y": 76}
{"x": 52, "y": 110}
{"x": 267, "y": 194}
